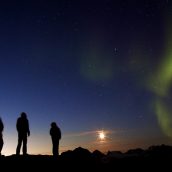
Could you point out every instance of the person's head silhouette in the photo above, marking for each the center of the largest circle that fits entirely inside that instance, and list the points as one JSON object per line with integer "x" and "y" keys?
{"x": 23, "y": 115}
{"x": 53, "y": 124}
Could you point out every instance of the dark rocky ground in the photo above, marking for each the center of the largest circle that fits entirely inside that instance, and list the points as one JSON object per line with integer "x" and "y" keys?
{"x": 80, "y": 159}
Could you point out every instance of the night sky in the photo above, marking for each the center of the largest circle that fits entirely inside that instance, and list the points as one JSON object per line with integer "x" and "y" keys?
{"x": 90, "y": 66}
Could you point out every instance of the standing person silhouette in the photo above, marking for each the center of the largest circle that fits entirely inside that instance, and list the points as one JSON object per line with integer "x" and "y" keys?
{"x": 1, "y": 136}
{"x": 55, "y": 133}
{"x": 22, "y": 126}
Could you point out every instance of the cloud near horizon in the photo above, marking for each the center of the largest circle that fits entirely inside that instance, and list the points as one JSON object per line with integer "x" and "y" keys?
{"x": 93, "y": 132}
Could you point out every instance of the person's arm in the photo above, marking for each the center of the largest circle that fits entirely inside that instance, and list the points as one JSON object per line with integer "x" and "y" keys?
{"x": 28, "y": 130}
{"x": 28, "y": 133}
{"x": 60, "y": 134}
{"x": 1, "y": 125}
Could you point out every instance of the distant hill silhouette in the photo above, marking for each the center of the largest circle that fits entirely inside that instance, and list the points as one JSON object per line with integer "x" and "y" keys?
{"x": 82, "y": 159}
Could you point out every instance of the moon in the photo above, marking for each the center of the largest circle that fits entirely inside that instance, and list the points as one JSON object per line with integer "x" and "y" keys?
{"x": 101, "y": 135}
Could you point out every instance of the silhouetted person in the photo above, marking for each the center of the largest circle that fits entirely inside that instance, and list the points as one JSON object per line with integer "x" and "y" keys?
{"x": 1, "y": 136}
{"x": 55, "y": 133}
{"x": 22, "y": 126}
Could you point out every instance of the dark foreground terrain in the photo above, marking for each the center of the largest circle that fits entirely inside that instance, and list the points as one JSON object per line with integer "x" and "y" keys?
{"x": 80, "y": 159}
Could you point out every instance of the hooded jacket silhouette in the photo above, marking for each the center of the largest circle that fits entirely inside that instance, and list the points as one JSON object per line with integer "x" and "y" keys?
{"x": 22, "y": 127}
{"x": 55, "y": 133}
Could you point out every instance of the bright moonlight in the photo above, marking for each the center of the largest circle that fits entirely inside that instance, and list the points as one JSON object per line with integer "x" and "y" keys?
{"x": 101, "y": 135}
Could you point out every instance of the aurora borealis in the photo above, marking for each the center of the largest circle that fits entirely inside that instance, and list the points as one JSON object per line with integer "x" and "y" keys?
{"x": 161, "y": 84}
